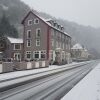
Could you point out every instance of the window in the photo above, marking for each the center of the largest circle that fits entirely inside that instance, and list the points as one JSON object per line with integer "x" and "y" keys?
{"x": 28, "y": 54}
{"x": 28, "y": 43}
{"x": 37, "y": 42}
{"x": 43, "y": 54}
{"x": 36, "y": 55}
{"x": 36, "y": 21}
{"x": 29, "y": 22}
{"x": 38, "y": 31}
{"x": 17, "y": 46}
{"x": 29, "y": 34}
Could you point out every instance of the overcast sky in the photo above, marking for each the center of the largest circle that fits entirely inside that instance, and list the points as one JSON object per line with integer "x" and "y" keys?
{"x": 86, "y": 12}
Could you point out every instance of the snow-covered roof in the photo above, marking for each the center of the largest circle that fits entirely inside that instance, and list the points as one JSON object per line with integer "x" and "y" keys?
{"x": 45, "y": 21}
{"x": 77, "y": 46}
{"x": 15, "y": 40}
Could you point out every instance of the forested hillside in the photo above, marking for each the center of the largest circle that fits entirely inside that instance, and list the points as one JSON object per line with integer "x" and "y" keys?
{"x": 88, "y": 36}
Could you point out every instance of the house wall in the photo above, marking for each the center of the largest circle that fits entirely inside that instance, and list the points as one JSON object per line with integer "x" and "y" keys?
{"x": 62, "y": 42}
{"x": 9, "y": 51}
{"x": 43, "y": 35}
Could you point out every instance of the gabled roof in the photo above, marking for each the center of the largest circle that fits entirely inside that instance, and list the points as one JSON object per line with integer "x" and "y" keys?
{"x": 44, "y": 20}
{"x": 15, "y": 40}
{"x": 77, "y": 46}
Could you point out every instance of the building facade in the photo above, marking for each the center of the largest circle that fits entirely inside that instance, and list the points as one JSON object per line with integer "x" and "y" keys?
{"x": 11, "y": 49}
{"x": 45, "y": 40}
{"x": 79, "y": 53}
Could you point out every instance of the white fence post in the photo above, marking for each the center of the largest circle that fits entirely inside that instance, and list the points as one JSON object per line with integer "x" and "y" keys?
{"x": 1, "y": 68}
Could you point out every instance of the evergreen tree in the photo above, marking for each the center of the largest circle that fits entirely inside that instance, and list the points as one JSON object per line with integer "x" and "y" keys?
{"x": 6, "y": 29}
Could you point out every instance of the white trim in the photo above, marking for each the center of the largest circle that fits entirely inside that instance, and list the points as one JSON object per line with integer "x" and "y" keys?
{"x": 37, "y": 42}
{"x": 35, "y": 52}
{"x": 17, "y": 44}
{"x": 27, "y": 43}
{"x": 35, "y": 21}
{"x": 28, "y": 33}
{"x": 37, "y": 31}
{"x": 28, "y": 52}
{"x": 29, "y": 22}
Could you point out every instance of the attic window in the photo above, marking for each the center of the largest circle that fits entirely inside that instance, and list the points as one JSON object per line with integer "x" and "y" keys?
{"x": 29, "y": 22}
{"x": 36, "y": 21}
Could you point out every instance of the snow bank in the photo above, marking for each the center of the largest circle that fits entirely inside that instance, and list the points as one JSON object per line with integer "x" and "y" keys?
{"x": 88, "y": 88}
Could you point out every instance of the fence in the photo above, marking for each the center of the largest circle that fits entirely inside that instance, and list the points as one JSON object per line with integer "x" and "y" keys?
{"x": 13, "y": 66}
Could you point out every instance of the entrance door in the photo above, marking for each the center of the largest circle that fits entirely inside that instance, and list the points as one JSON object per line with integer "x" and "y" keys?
{"x": 17, "y": 56}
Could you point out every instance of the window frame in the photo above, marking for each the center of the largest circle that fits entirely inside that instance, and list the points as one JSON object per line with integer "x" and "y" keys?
{"x": 17, "y": 44}
{"x": 28, "y": 42}
{"x": 35, "y": 21}
{"x": 29, "y": 22}
{"x": 38, "y": 42}
{"x": 28, "y": 52}
{"x": 37, "y": 32}
{"x": 28, "y": 34}
{"x": 43, "y": 52}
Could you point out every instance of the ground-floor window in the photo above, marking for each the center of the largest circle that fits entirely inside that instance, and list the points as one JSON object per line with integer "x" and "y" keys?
{"x": 36, "y": 54}
{"x": 43, "y": 54}
{"x": 28, "y": 54}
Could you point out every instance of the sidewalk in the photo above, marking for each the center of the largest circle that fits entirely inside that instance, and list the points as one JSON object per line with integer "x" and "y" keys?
{"x": 16, "y": 74}
{"x": 88, "y": 88}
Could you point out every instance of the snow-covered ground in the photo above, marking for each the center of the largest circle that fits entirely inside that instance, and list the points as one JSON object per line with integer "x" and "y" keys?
{"x": 27, "y": 72}
{"x": 88, "y": 88}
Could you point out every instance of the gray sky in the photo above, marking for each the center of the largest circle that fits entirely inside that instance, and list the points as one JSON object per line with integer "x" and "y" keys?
{"x": 86, "y": 12}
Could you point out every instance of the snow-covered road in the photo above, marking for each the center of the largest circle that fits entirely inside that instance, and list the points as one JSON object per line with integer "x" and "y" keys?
{"x": 88, "y": 88}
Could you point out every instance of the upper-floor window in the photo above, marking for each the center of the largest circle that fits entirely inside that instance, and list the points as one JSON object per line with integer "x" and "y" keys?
{"x": 37, "y": 42}
{"x": 38, "y": 32}
{"x": 29, "y": 34}
{"x": 36, "y": 21}
{"x": 28, "y": 43}
{"x": 29, "y": 22}
{"x": 17, "y": 46}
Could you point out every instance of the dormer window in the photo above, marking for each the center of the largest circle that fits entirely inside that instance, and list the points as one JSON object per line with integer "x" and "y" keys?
{"x": 62, "y": 28}
{"x": 29, "y": 22}
{"x": 55, "y": 24}
{"x": 36, "y": 21}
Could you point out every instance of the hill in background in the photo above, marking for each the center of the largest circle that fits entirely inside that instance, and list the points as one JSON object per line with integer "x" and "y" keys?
{"x": 15, "y": 10}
